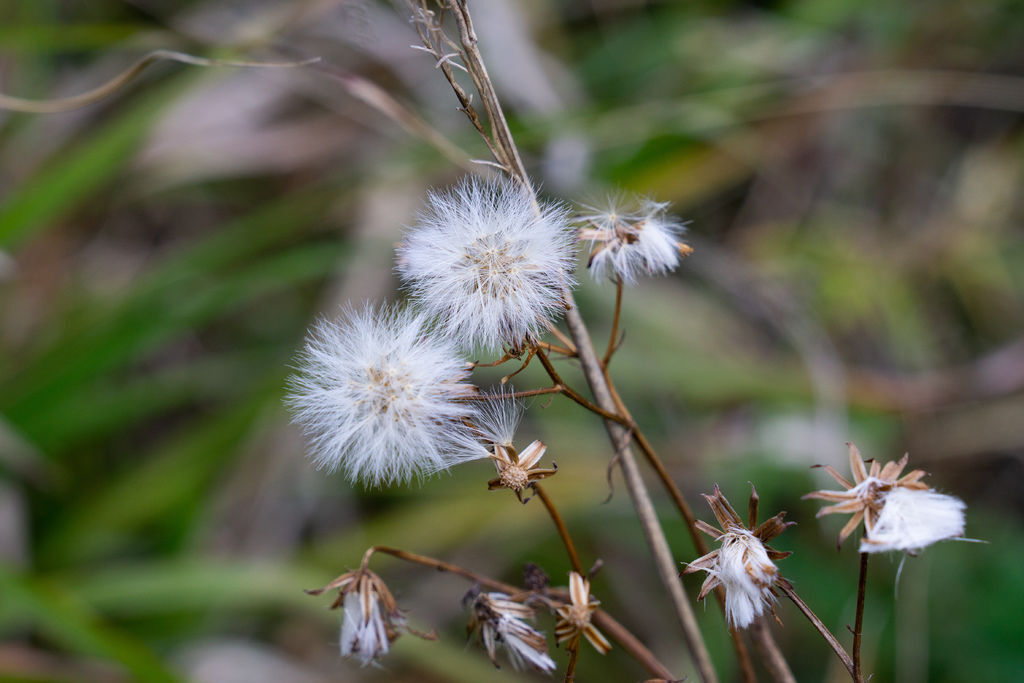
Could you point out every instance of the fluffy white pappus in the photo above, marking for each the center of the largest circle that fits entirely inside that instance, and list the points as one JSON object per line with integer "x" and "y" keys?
{"x": 488, "y": 263}
{"x": 364, "y": 633}
{"x": 912, "y": 519}
{"x": 747, "y": 573}
{"x": 627, "y": 243}
{"x": 377, "y": 395}
{"x": 498, "y": 419}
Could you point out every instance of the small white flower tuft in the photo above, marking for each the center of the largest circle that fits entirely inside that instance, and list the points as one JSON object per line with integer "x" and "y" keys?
{"x": 628, "y": 242}
{"x": 377, "y": 397}
{"x": 747, "y": 573}
{"x": 488, "y": 263}
{"x": 912, "y": 519}
{"x": 504, "y": 621}
{"x": 497, "y": 420}
{"x": 364, "y": 633}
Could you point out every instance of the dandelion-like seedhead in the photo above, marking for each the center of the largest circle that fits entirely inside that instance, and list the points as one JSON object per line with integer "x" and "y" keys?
{"x": 628, "y": 242}
{"x": 899, "y": 512}
{"x": 488, "y": 263}
{"x": 743, "y": 565}
{"x": 377, "y": 395}
{"x": 503, "y": 621}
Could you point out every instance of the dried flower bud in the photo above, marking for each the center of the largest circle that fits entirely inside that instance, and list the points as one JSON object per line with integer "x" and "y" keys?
{"x": 496, "y": 423}
{"x": 574, "y": 617}
{"x": 743, "y": 564}
{"x": 502, "y": 620}
{"x": 371, "y": 620}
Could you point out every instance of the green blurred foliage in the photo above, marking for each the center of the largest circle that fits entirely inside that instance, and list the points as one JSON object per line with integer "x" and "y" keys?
{"x": 850, "y": 171}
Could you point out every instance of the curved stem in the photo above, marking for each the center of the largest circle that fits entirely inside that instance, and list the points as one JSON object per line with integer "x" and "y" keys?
{"x": 570, "y": 670}
{"x": 563, "y": 532}
{"x": 613, "y": 337}
{"x": 858, "y": 626}
{"x": 787, "y": 588}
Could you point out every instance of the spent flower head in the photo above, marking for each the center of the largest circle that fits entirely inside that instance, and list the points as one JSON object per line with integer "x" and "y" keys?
{"x": 488, "y": 263}
{"x": 502, "y": 620}
{"x": 743, "y": 564}
{"x": 630, "y": 241}
{"x": 371, "y": 618}
{"x": 574, "y": 617}
{"x": 496, "y": 423}
{"x": 899, "y": 512}
{"x": 378, "y": 397}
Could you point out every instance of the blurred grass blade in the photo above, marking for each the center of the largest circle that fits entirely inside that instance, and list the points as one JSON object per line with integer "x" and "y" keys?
{"x": 62, "y": 104}
{"x": 58, "y": 615}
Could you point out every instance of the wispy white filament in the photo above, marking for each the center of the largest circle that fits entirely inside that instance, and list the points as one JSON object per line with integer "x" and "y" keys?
{"x": 630, "y": 243}
{"x": 363, "y": 631}
{"x": 911, "y": 520}
{"x": 376, "y": 394}
{"x": 487, "y": 262}
{"x": 747, "y": 573}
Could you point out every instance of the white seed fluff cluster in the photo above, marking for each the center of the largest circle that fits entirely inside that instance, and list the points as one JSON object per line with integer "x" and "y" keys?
{"x": 364, "y": 632}
{"x": 376, "y": 395}
{"x": 628, "y": 243}
{"x": 912, "y": 519}
{"x": 747, "y": 573}
{"x": 488, "y": 263}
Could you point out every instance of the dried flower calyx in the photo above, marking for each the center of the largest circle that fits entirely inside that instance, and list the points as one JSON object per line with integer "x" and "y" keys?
{"x": 899, "y": 512}
{"x": 496, "y": 423}
{"x": 371, "y": 620}
{"x": 502, "y": 620}
{"x": 574, "y": 617}
{"x": 743, "y": 564}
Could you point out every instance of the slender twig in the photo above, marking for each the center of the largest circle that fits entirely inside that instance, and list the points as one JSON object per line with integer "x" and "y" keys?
{"x": 557, "y": 389}
{"x": 613, "y": 338}
{"x": 562, "y": 337}
{"x": 563, "y": 532}
{"x": 787, "y": 588}
{"x": 858, "y": 625}
{"x": 570, "y": 669}
{"x": 608, "y": 624}
{"x": 576, "y": 396}
{"x": 564, "y": 350}
{"x": 771, "y": 656}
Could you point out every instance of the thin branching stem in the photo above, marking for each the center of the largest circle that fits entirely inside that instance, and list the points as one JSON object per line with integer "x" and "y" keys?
{"x": 613, "y": 338}
{"x": 833, "y": 642}
{"x": 570, "y": 669}
{"x": 858, "y": 626}
{"x": 563, "y": 532}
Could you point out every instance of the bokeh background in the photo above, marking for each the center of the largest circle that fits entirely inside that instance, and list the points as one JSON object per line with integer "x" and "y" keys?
{"x": 850, "y": 170}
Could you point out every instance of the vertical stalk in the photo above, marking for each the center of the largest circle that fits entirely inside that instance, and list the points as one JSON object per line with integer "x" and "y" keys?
{"x": 832, "y": 641}
{"x": 563, "y": 532}
{"x": 858, "y": 625}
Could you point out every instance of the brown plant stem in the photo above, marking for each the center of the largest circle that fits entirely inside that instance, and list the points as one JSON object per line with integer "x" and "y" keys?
{"x": 613, "y": 336}
{"x": 515, "y": 394}
{"x": 858, "y": 625}
{"x": 787, "y": 588}
{"x": 608, "y": 624}
{"x": 771, "y": 655}
{"x": 576, "y": 396}
{"x": 570, "y": 670}
{"x": 563, "y": 532}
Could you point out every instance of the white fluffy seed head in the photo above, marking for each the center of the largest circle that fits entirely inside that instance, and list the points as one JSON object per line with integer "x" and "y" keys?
{"x": 912, "y": 519}
{"x": 488, "y": 263}
{"x": 376, "y": 394}
{"x": 747, "y": 573}
{"x": 633, "y": 241}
